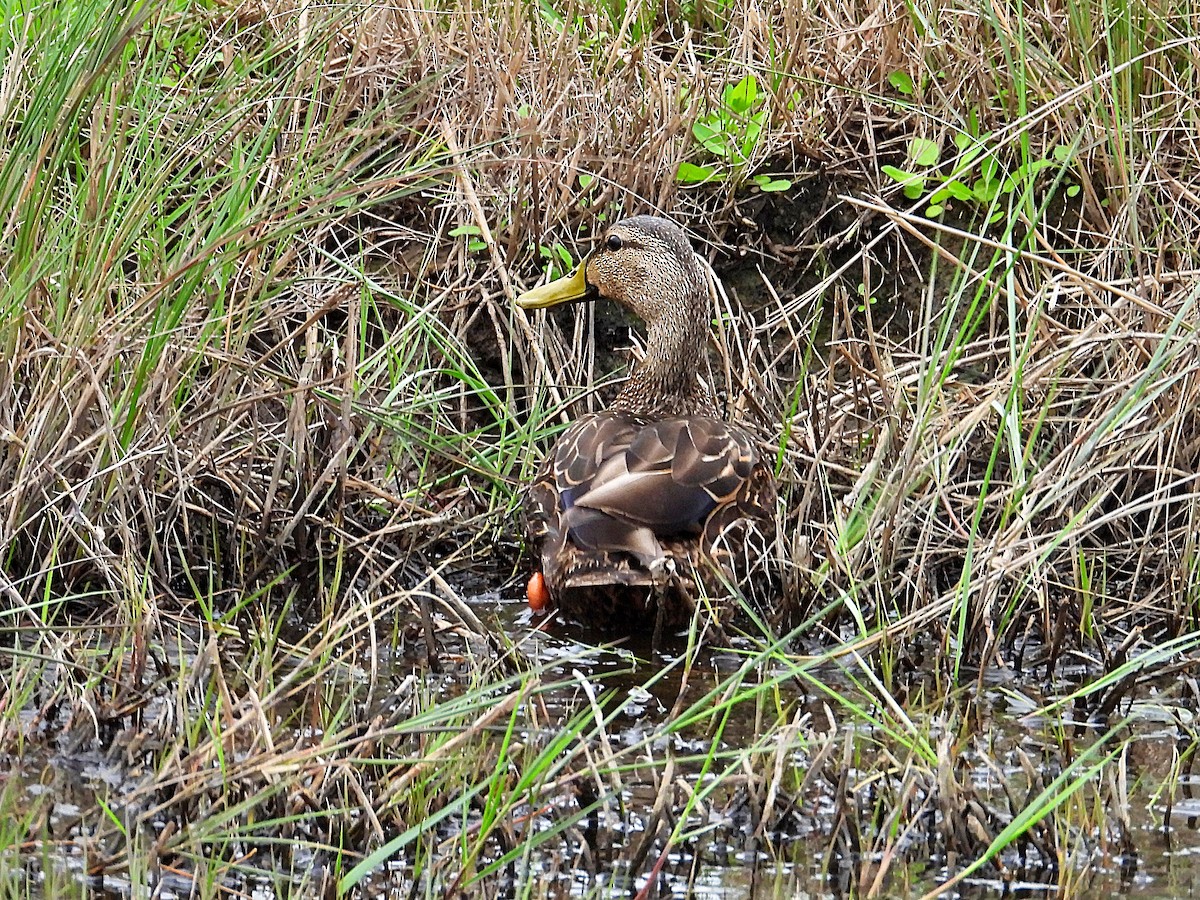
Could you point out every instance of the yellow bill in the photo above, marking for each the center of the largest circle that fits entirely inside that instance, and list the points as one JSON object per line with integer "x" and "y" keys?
{"x": 562, "y": 290}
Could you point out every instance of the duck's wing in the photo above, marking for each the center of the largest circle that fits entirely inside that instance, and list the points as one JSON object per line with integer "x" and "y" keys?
{"x": 667, "y": 476}
{"x": 568, "y": 470}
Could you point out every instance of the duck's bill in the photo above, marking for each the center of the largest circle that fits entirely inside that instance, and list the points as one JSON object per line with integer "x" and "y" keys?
{"x": 568, "y": 289}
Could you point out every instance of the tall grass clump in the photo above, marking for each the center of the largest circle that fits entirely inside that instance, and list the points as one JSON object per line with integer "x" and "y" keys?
{"x": 1027, "y": 449}
{"x": 187, "y": 314}
{"x": 214, "y": 418}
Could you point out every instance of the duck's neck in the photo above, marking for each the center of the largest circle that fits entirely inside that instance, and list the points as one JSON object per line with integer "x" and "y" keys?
{"x": 667, "y": 380}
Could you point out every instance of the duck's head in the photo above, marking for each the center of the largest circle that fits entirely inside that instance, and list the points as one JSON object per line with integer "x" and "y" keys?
{"x": 644, "y": 263}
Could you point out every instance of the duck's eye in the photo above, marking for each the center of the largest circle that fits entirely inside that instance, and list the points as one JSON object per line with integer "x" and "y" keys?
{"x": 613, "y": 242}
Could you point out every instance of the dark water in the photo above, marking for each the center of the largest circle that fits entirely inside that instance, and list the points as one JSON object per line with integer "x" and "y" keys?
{"x": 723, "y": 854}
{"x": 1158, "y": 854}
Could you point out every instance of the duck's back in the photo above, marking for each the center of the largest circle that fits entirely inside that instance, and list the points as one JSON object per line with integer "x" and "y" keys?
{"x": 629, "y": 509}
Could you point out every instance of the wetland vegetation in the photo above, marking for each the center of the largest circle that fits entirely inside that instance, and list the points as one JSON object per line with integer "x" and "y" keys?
{"x": 266, "y": 406}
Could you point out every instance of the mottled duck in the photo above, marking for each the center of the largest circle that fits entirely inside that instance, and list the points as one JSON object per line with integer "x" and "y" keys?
{"x": 645, "y": 507}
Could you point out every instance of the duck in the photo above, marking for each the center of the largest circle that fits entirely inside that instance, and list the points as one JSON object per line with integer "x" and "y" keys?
{"x": 641, "y": 510}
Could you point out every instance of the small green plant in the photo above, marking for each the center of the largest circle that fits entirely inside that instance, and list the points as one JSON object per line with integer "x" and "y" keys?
{"x": 601, "y": 204}
{"x": 977, "y": 177}
{"x": 902, "y": 82}
{"x": 730, "y": 133}
{"x": 613, "y": 18}
{"x": 473, "y": 234}
{"x": 865, "y": 298}
{"x": 559, "y": 258}
{"x": 588, "y": 186}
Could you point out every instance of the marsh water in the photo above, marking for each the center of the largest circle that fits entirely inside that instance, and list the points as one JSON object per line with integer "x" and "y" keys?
{"x": 1162, "y": 861}
{"x": 719, "y": 850}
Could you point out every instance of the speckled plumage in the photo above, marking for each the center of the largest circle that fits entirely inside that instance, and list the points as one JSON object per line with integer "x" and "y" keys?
{"x": 641, "y": 508}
